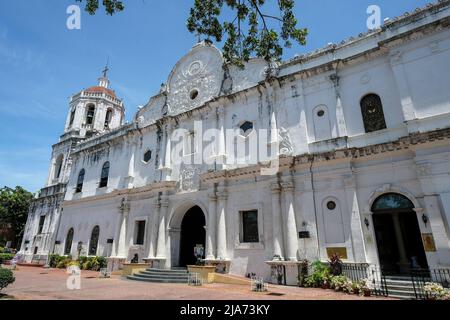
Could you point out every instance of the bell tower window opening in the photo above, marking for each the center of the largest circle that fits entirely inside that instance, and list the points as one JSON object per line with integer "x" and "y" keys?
{"x": 58, "y": 166}
{"x": 72, "y": 117}
{"x": 90, "y": 115}
{"x": 108, "y": 118}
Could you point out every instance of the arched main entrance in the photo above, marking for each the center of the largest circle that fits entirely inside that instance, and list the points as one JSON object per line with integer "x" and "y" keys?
{"x": 397, "y": 234}
{"x": 193, "y": 233}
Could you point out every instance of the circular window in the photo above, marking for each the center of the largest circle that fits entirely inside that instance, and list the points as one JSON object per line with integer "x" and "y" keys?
{"x": 331, "y": 205}
{"x": 320, "y": 113}
{"x": 193, "y": 94}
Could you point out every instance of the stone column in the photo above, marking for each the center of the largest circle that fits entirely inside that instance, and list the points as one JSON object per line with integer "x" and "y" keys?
{"x": 121, "y": 237}
{"x": 129, "y": 179}
{"x": 221, "y": 149}
{"x": 402, "y": 85}
{"x": 152, "y": 228}
{"x": 278, "y": 247}
{"x": 166, "y": 166}
{"x": 161, "y": 247}
{"x": 356, "y": 222}
{"x": 404, "y": 262}
{"x": 211, "y": 228}
{"x": 340, "y": 117}
{"x": 290, "y": 223}
{"x": 221, "y": 225}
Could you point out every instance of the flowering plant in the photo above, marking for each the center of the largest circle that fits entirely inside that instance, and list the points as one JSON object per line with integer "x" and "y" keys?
{"x": 436, "y": 291}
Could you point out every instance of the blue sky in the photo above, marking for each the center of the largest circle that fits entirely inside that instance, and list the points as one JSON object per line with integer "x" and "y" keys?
{"x": 42, "y": 63}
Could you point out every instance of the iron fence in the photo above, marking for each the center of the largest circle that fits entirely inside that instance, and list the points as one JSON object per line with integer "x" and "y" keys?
{"x": 420, "y": 277}
{"x": 372, "y": 274}
{"x": 378, "y": 278}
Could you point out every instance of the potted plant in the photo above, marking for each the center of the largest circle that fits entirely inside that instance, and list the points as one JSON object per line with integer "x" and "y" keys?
{"x": 366, "y": 287}
{"x": 356, "y": 287}
{"x": 335, "y": 265}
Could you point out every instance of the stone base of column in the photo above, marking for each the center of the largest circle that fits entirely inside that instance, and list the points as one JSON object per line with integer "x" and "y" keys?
{"x": 156, "y": 263}
{"x": 284, "y": 272}
{"x": 115, "y": 264}
{"x": 222, "y": 266}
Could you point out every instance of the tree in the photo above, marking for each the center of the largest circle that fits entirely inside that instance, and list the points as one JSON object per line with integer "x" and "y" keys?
{"x": 14, "y": 205}
{"x": 252, "y": 32}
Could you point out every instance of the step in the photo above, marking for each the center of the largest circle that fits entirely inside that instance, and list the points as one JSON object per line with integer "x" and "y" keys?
{"x": 400, "y": 287}
{"x": 162, "y": 275}
{"x": 158, "y": 280}
{"x": 402, "y": 297}
{"x": 172, "y": 271}
{"x": 404, "y": 293}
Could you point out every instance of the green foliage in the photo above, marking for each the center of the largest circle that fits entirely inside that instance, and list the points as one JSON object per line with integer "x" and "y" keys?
{"x": 111, "y": 6}
{"x": 92, "y": 263}
{"x": 6, "y": 278}
{"x": 57, "y": 261}
{"x": 250, "y": 32}
{"x": 6, "y": 257}
{"x": 14, "y": 205}
{"x": 319, "y": 276}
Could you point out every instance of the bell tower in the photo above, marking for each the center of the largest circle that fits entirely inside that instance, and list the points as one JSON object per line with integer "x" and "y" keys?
{"x": 94, "y": 110}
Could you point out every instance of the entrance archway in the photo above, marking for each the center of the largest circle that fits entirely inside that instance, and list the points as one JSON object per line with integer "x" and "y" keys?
{"x": 397, "y": 233}
{"x": 193, "y": 233}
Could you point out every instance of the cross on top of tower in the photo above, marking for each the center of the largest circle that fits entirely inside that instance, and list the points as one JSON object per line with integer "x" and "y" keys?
{"x": 105, "y": 71}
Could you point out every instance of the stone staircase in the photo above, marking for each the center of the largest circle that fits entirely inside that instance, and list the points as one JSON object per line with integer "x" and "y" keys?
{"x": 400, "y": 287}
{"x": 178, "y": 275}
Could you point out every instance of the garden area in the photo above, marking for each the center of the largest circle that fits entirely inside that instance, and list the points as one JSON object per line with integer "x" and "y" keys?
{"x": 84, "y": 263}
{"x": 331, "y": 276}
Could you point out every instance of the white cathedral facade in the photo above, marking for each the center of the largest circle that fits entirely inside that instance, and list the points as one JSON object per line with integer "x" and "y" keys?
{"x": 357, "y": 162}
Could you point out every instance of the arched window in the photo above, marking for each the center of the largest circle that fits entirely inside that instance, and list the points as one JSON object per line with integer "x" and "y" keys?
{"x": 69, "y": 239}
{"x": 392, "y": 201}
{"x": 108, "y": 118}
{"x": 93, "y": 244}
{"x": 372, "y": 113}
{"x": 58, "y": 166}
{"x": 90, "y": 114}
{"x": 104, "y": 176}
{"x": 80, "y": 181}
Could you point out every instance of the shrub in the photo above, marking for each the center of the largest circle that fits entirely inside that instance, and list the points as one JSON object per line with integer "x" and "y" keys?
{"x": 6, "y": 257}
{"x": 92, "y": 263}
{"x": 319, "y": 276}
{"x": 338, "y": 282}
{"x": 57, "y": 261}
{"x": 6, "y": 278}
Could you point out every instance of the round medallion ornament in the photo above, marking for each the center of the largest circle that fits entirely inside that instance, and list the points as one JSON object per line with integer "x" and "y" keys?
{"x": 194, "y": 68}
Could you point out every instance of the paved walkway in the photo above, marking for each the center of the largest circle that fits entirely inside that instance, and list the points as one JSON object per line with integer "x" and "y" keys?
{"x": 35, "y": 284}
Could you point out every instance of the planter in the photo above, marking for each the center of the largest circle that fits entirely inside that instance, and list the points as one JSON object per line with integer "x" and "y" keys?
{"x": 129, "y": 269}
{"x": 206, "y": 273}
{"x": 325, "y": 286}
{"x": 367, "y": 293}
{"x": 355, "y": 291}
